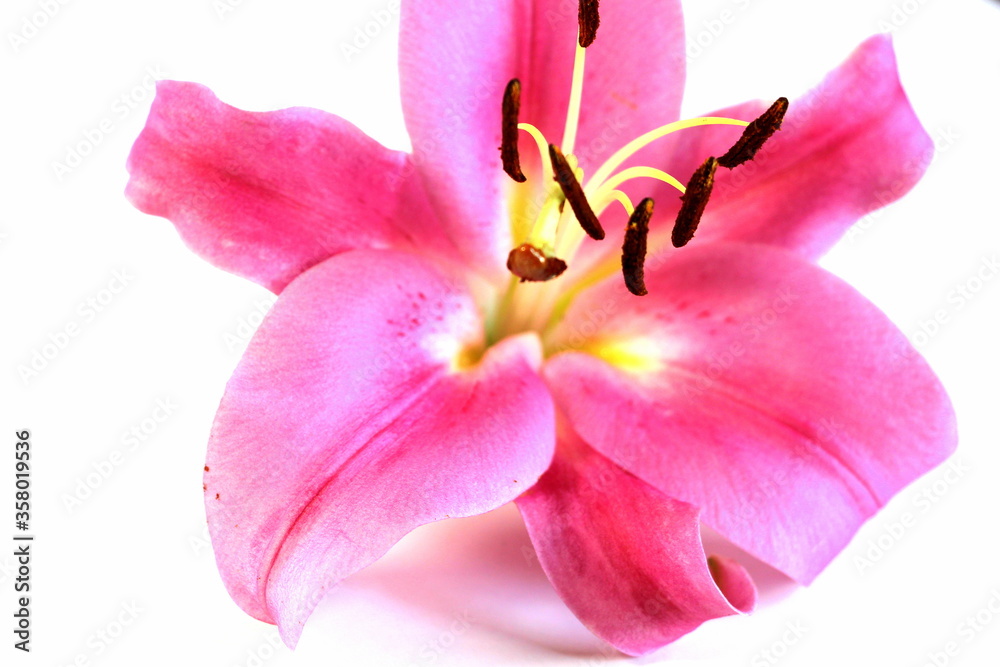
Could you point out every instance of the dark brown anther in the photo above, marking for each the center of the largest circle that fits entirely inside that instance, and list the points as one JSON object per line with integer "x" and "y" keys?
{"x": 590, "y": 19}
{"x": 634, "y": 248}
{"x": 508, "y": 149}
{"x": 699, "y": 188}
{"x": 574, "y": 194}
{"x": 529, "y": 263}
{"x": 755, "y": 134}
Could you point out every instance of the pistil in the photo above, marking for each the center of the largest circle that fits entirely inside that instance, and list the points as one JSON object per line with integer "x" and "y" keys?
{"x": 530, "y": 264}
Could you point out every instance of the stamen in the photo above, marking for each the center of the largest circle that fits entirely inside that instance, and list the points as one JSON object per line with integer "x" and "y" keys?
{"x": 574, "y": 194}
{"x": 605, "y": 195}
{"x": 543, "y": 148}
{"x": 575, "y": 100}
{"x": 530, "y": 264}
{"x": 622, "y": 198}
{"x": 590, "y": 19}
{"x": 508, "y": 148}
{"x": 694, "y": 199}
{"x": 641, "y": 172}
{"x": 625, "y": 152}
{"x": 756, "y": 133}
{"x": 634, "y": 248}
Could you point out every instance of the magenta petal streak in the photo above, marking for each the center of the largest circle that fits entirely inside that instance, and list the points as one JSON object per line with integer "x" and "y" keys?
{"x": 750, "y": 389}
{"x": 776, "y": 399}
{"x": 851, "y": 145}
{"x": 267, "y": 195}
{"x": 627, "y": 559}
{"x": 344, "y": 427}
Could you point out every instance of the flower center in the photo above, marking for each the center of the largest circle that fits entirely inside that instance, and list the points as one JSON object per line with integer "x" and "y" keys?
{"x": 547, "y": 245}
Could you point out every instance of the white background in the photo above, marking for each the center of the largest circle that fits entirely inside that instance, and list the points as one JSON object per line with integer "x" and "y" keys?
{"x": 130, "y": 559}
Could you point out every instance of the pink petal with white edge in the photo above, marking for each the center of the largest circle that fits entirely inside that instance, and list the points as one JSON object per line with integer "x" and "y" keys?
{"x": 758, "y": 387}
{"x": 627, "y": 559}
{"x": 347, "y": 424}
{"x": 456, "y": 59}
{"x": 267, "y": 195}
{"x": 850, "y": 146}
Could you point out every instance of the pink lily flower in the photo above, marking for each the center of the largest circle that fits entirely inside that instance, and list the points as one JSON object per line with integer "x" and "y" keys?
{"x": 404, "y": 376}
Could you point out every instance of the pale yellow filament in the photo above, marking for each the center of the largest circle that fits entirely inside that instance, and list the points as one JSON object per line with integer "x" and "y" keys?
{"x": 562, "y": 240}
{"x": 621, "y": 198}
{"x": 605, "y": 194}
{"x": 543, "y": 150}
{"x": 575, "y": 100}
{"x": 629, "y": 149}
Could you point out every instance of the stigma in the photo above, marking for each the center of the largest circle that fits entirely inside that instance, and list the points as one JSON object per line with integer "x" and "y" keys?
{"x": 531, "y": 264}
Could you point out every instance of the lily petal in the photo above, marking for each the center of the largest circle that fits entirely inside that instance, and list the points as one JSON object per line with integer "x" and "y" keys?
{"x": 456, "y": 61}
{"x": 758, "y": 387}
{"x": 627, "y": 559}
{"x": 350, "y": 421}
{"x": 267, "y": 195}
{"x": 850, "y": 146}
{"x": 633, "y": 76}
{"x": 454, "y": 66}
